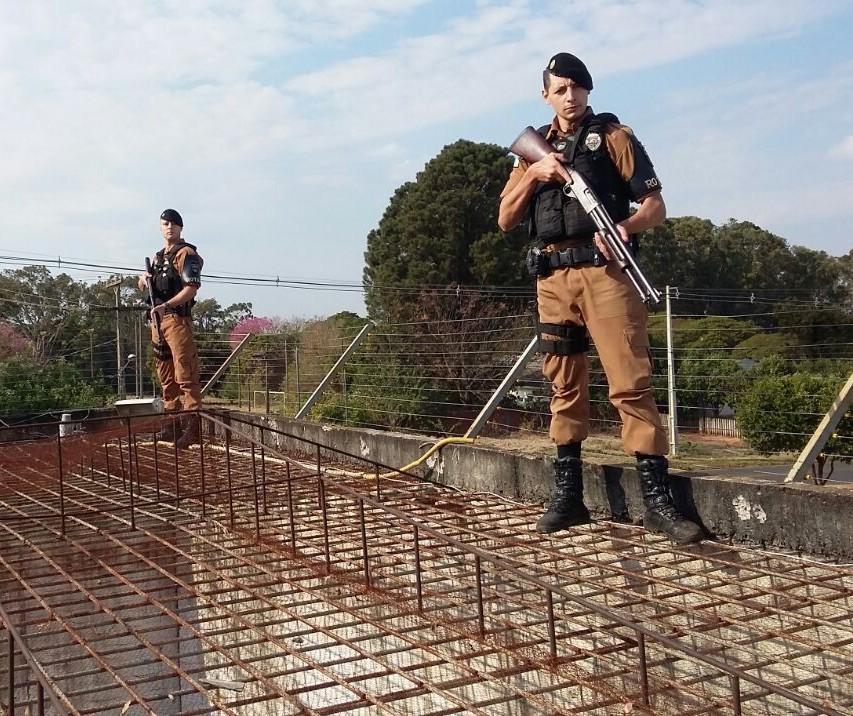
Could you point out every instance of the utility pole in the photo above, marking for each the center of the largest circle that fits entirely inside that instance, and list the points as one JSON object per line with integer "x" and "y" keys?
{"x": 116, "y": 285}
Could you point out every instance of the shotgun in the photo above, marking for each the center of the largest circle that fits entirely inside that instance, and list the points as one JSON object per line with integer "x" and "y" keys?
{"x": 154, "y": 316}
{"x": 531, "y": 146}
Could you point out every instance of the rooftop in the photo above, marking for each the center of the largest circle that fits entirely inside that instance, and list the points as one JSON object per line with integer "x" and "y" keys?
{"x": 240, "y": 578}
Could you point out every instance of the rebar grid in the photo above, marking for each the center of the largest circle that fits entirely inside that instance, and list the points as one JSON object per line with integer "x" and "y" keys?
{"x": 260, "y": 582}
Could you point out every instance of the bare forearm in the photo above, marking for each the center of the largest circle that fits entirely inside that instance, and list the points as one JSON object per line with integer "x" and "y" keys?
{"x": 185, "y": 295}
{"x": 650, "y": 213}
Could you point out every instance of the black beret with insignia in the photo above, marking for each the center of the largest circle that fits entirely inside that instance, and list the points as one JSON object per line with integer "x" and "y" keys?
{"x": 172, "y": 216}
{"x": 567, "y": 65}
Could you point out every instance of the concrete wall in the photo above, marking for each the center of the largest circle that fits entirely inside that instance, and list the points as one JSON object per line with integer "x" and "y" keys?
{"x": 803, "y": 517}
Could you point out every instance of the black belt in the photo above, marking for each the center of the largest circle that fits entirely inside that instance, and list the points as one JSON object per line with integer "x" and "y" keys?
{"x": 573, "y": 256}
{"x": 183, "y": 310}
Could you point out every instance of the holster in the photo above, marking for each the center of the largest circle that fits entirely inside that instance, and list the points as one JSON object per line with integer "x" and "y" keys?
{"x": 537, "y": 263}
{"x": 565, "y": 339}
{"x": 161, "y": 350}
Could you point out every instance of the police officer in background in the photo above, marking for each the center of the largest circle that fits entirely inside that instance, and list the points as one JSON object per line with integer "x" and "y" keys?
{"x": 175, "y": 280}
{"x": 580, "y": 294}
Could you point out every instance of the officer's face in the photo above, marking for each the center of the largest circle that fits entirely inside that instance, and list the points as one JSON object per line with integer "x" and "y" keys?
{"x": 567, "y": 99}
{"x": 170, "y": 231}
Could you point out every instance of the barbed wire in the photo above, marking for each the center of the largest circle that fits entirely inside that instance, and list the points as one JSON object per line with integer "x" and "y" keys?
{"x": 723, "y": 296}
{"x": 436, "y": 375}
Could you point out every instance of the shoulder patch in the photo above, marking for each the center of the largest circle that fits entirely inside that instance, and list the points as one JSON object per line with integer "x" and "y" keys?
{"x": 643, "y": 150}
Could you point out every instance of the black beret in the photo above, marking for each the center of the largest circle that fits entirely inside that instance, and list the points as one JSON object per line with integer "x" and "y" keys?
{"x": 173, "y": 217}
{"x": 566, "y": 65}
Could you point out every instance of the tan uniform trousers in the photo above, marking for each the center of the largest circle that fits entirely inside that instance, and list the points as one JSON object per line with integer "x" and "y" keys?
{"x": 179, "y": 376}
{"x": 603, "y": 299}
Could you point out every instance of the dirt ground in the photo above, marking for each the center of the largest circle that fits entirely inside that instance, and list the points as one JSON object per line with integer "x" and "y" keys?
{"x": 695, "y": 451}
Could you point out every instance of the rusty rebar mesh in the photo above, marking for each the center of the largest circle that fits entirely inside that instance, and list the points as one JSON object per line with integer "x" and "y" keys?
{"x": 263, "y": 583}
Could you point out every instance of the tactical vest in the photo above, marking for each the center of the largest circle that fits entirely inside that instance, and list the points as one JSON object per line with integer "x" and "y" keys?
{"x": 555, "y": 216}
{"x": 167, "y": 281}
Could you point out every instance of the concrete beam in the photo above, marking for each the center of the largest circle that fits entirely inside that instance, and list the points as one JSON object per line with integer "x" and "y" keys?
{"x": 802, "y": 517}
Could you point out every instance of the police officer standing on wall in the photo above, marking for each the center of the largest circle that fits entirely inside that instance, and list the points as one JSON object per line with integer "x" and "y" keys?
{"x": 580, "y": 294}
{"x": 175, "y": 280}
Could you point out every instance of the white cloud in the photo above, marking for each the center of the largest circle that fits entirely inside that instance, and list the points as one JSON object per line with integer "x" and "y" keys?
{"x": 293, "y": 121}
{"x": 844, "y": 149}
{"x": 486, "y": 61}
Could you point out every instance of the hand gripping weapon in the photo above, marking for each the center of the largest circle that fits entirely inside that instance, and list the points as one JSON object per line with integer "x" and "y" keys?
{"x": 154, "y": 316}
{"x": 531, "y": 146}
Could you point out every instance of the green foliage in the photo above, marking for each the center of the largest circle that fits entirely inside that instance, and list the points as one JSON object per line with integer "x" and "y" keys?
{"x": 781, "y": 413}
{"x": 741, "y": 258}
{"x": 261, "y": 363}
{"x": 27, "y": 386}
{"x": 210, "y": 317}
{"x": 772, "y": 366}
{"x": 379, "y": 394}
{"x": 763, "y": 345}
{"x": 380, "y": 389}
{"x": 213, "y": 325}
{"x": 678, "y": 252}
{"x": 430, "y": 234}
{"x": 708, "y": 379}
{"x": 713, "y": 332}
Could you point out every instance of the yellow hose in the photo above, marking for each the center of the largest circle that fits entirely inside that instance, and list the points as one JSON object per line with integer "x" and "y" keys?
{"x": 440, "y": 444}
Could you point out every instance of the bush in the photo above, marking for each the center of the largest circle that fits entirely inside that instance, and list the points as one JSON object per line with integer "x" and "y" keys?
{"x": 781, "y": 413}
{"x": 27, "y": 386}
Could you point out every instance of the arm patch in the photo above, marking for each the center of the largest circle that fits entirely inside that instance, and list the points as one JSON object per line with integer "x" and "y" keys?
{"x": 191, "y": 270}
{"x": 645, "y": 180}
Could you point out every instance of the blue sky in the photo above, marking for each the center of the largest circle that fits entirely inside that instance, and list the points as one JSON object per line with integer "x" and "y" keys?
{"x": 281, "y": 128}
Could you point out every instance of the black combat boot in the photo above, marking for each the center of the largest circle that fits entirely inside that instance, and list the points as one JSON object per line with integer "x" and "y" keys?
{"x": 169, "y": 432}
{"x": 189, "y": 432}
{"x": 661, "y": 513}
{"x": 567, "y": 508}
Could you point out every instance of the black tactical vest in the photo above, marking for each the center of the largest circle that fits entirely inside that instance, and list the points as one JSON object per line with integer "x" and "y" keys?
{"x": 555, "y": 216}
{"x": 167, "y": 281}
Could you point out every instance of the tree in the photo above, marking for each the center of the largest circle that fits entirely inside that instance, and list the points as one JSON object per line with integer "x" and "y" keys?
{"x": 251, "y": 325}
{"x": 741, "y": 262}
{"x": 213, "y": 327}
{"x": 210, "y": 317}
{"x": 708, "y": 379}
{"x": 11, "y": 342}
{"x": 262, "y": 364}
{"x": 46, "y": 310}
{"x": 781, "y": 413}
{"x": 711, "y": 333}
{"x": 678, "y": 252}
{"x": 441, "y": 230}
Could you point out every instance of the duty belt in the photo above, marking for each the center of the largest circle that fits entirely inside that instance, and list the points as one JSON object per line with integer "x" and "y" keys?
{"x": 183, "y": 310}
{"x": 573, "y": 256}
{"x": 544, "y": 263}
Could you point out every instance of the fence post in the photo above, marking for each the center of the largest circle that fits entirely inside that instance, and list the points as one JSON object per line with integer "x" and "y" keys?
{"x": 500, "y": 392}
{"x": 830, "y": 421}
{"x": 670, "y": 377}
{"x": 357, "y": 341}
